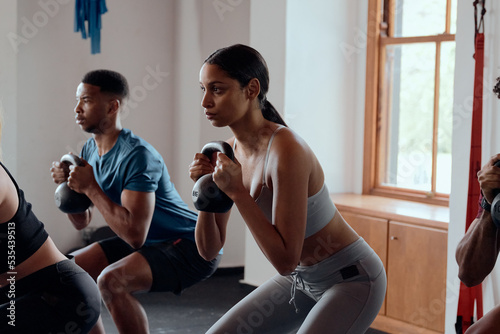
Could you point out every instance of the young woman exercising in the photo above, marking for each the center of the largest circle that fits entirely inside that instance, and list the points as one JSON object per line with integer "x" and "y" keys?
{"x": 41, "y": 290}
{"x": 330, "y": 280}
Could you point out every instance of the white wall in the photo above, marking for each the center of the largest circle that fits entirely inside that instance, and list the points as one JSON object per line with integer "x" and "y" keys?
{"x": 464, "y": 79}
{"x": 325, "y": 73}
{"x": 8, "y": 82}
{"x": 464, "y": 74}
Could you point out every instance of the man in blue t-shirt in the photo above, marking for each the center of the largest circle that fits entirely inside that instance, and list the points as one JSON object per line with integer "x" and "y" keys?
{"x": 128, "y": 182}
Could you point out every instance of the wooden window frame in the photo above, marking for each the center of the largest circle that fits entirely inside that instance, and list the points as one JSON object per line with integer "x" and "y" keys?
{"x": 378, "y": 37}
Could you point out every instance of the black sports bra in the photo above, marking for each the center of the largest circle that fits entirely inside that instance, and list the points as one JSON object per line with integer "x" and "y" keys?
{"x": 22, "y": 235}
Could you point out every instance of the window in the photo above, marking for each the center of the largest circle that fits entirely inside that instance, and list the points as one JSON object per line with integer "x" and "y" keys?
{"x": 409, "y": 99}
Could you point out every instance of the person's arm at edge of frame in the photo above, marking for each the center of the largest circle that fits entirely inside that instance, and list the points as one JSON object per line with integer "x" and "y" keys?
{"x": 477, "y": 252}
{"x": 489, "y": 323}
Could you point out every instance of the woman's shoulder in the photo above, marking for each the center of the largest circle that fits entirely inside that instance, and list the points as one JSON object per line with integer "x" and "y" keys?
{"x": 287, "y": 141}
{"x": 292, "y": 156}
{"x": 289, "y": 153}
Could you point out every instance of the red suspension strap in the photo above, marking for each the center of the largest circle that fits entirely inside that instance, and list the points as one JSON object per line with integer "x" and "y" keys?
{"x": 474, "y": 296}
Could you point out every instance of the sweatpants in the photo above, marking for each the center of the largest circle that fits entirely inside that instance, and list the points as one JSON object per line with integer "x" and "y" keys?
{"x": 341, "y": 294}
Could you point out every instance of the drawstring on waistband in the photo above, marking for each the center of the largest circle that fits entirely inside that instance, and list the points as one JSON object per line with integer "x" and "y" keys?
{"x": 296, "y": 279}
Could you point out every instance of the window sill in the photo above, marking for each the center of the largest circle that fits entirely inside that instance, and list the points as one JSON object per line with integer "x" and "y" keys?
{"x": 422, "y": 214}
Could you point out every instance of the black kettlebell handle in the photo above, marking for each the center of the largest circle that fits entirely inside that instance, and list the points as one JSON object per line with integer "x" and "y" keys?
{"x": 72, "y": 159}
{"x": 218, "y": 146}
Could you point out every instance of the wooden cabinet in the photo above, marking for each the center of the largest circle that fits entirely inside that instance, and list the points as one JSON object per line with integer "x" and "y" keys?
{"x": 414, "y": 253}
{"x": 416, "y": 275}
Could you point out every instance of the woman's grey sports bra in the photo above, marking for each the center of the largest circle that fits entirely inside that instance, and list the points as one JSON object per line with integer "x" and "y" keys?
{"x": 320, "y": 208}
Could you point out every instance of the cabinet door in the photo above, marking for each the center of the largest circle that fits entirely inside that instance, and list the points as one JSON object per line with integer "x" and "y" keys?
{"x": 374, "y": 231}
{"x": 417, "y": 275}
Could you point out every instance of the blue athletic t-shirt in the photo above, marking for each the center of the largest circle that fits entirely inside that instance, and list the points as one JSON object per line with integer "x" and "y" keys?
{"x": 134, "y": 164}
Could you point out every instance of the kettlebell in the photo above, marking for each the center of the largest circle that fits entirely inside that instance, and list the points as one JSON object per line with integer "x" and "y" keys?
{"x": 206, "y": 195}
{"x": 68, "y": 200}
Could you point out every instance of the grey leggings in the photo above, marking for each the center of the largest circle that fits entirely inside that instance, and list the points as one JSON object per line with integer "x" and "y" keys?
{"x": 342, "y": 294}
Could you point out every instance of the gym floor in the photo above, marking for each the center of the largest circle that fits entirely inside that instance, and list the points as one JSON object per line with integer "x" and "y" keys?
{"x": 196, "y": 309}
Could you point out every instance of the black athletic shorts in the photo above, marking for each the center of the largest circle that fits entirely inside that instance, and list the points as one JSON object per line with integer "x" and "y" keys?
{"x": 175, "y": 265}
{"x": 60, "y": 298}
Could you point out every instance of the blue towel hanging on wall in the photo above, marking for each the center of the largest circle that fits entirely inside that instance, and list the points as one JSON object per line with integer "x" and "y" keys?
{"x": 91, "y": 11}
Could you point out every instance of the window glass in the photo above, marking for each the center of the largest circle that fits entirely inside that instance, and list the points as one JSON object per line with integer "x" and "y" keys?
{"x": 410, "y": 100}
{"x": 419, "y": 17}
{"x": 411, "y": 113}
{"x": 453, "y": 18}
{"x": 447, "y": 68}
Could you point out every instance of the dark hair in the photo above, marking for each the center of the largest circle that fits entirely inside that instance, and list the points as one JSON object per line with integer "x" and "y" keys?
{"x": 244, "y": 63}
{"x": 496, "y": 89}
{"x": 108, "y": 81}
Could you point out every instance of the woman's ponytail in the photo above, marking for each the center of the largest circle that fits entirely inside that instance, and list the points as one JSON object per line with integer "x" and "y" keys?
{"x": 270, "y": 113}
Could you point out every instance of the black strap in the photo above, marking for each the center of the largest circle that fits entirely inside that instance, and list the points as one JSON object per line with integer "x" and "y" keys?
{"x": 480, "y": 24}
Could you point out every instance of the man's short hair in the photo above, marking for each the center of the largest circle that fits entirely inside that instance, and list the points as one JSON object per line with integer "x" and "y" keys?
{"x": 109, "y": 82}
